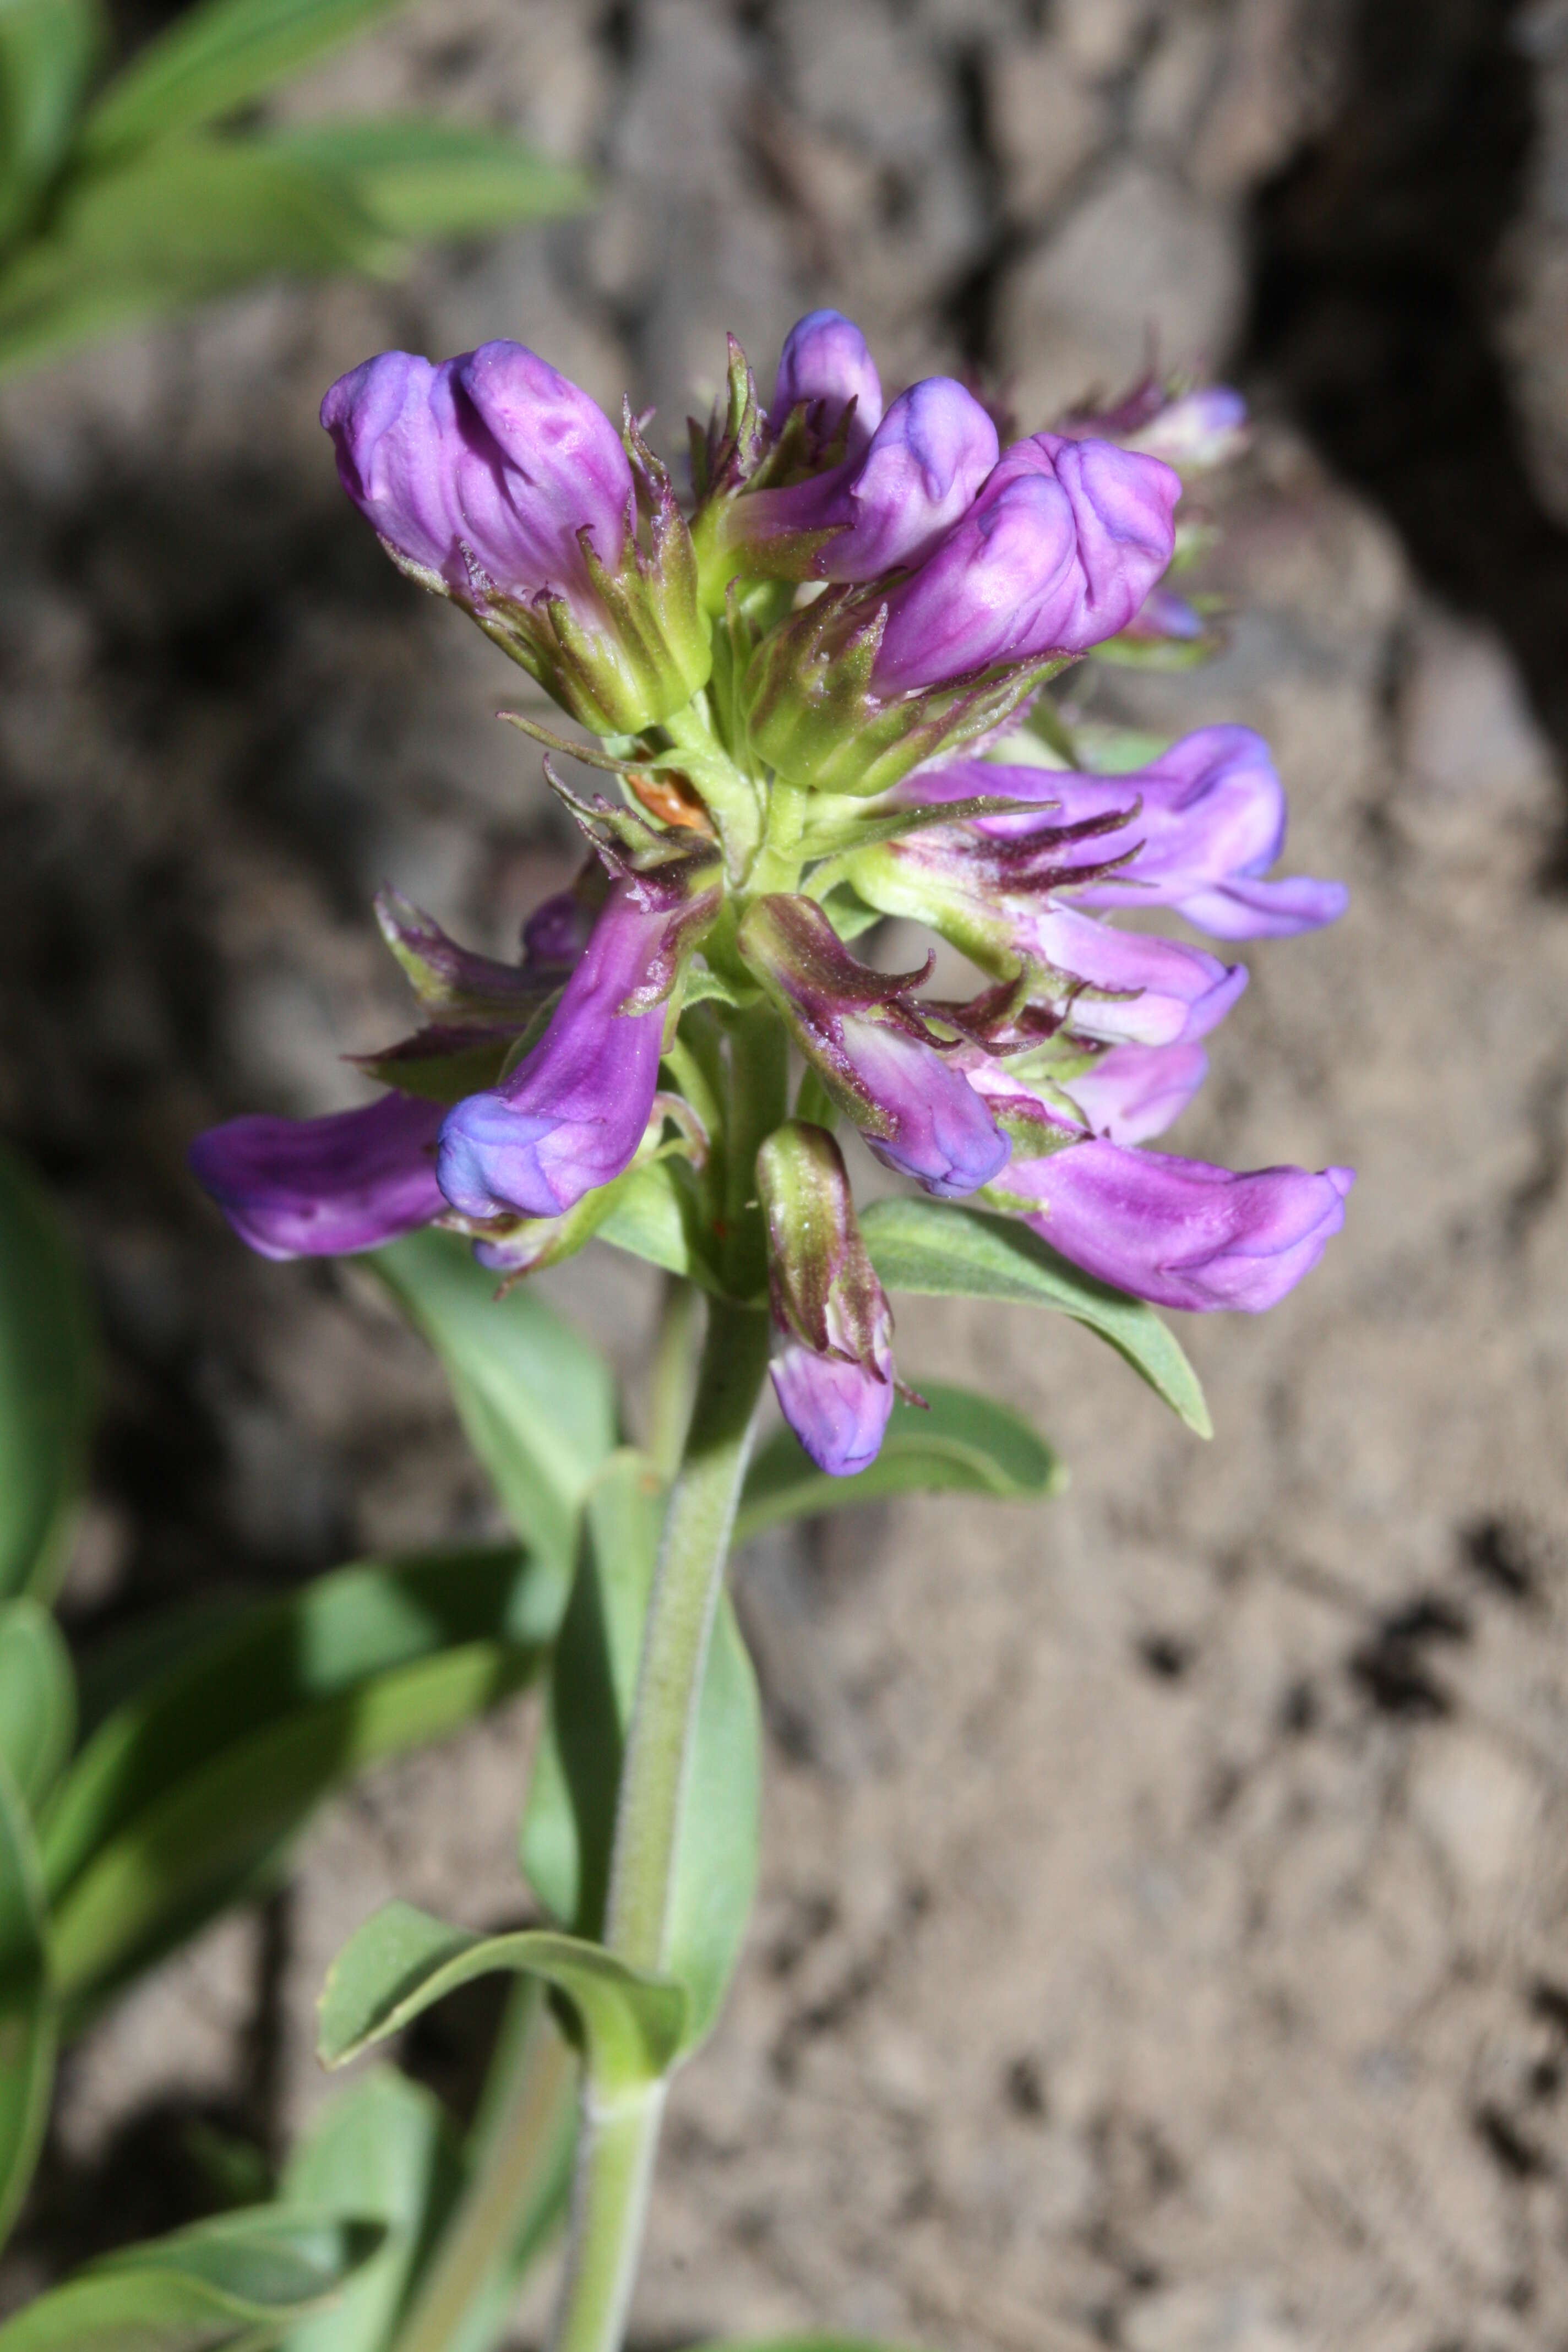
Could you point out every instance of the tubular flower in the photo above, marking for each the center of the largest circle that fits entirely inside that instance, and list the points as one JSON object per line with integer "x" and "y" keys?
{"x": 833, "y": 1357}
{"x": 494, "y": 481}
{"x": 1201, "y": 826}
{"x": 780, "y": 770}
{"x": 572, "y": 1113}
{"x": 880, "y": 1059}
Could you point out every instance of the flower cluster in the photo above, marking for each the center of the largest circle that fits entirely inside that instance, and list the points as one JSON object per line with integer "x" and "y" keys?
{"x": 813, "y": 691}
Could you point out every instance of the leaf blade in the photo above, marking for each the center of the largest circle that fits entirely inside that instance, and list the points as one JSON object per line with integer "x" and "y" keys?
{"x": 402, "y": 1960}
{"x": 38, "y": 1699}
{"x": 26, "y": 2009}
{"x": 964, "y": 1443}
{"x": 419, "y": 179}
{"x": 47, "y": 1385}
{"x": 216, "y": 58}
{"x": 948, "y": 1251}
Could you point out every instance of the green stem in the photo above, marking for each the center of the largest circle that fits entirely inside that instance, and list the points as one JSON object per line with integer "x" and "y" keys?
{"x": 510, "y": 2206}
{"x": 619, "y": 2138}
{"x": 674, "y": 1374}
{"x": 779, "y": 861}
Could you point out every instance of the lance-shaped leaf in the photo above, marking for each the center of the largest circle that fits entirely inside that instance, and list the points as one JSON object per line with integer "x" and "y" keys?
{"x": 803, "y": 2343}
{"x": 46, "y": 1385}
{"x": 402, "y": 1960}
{"x": 26, "y": 2011}
{"x": 232, "y": 2285}
{"x": 384, "y": 2149}
{"x": 216, "y": 58}
{"x": 428, "y": 179}
{"x": 38, "y": 1699}
{"x": 962, "y": 1444}
{"x": 536, "y": 1402}
{"x": 569, "y": 1823}
{"x": 952, "y": 1252}
{"x": 187, "y": 1790}
{"x": 48, "y": 48}
{"x": 659, "y": 1216}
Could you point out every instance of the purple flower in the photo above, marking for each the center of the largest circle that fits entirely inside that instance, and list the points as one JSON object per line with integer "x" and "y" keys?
{"x": 827, "y": 363}
{"x": 572, "y": 1113}
{"x": 875, "y": 1053}
{"x": 325, "y": 1187}
{"x": 1135, "y": 1092}
{"x": 1058, "y": 552}
{"x": 833, "y": 1357}
{"x": 1194, "y": 431}
{"x": 885, "y": 507}
{"x": 1177, "y": 1232}
{"x": 1206, "y": 819}
{"x": 487, "y": 468}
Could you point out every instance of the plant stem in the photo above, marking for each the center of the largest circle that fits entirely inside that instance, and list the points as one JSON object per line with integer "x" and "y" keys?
{"x": 673, "y": 1380}
{"x": 618, "y": 2138}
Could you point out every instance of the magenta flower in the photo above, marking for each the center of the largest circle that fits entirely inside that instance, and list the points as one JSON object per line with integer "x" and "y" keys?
{"x": 325, "y": 1187}
{"x": 1194, "y": 431}
{"x": 1206, "y": 821}
{"x": 833, "y": 1357}
{"x": 493, "y": 480}
{"x": 572, "y": 1113}
{"x": 1178, "y": 1232}
{"x": 825, "y": 362}
{"x": 880, "y": 1059}
{"x": 1136, "y": 1092}
{"x": 886, "y": 506}
{"x": 1058, "y": 552}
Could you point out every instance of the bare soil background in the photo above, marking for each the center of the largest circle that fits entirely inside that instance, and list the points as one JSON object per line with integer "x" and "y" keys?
{"x": 1164, "y": 1939}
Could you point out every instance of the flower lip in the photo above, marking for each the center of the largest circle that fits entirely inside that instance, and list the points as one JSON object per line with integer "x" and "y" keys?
{"x": 324, "y": 1187}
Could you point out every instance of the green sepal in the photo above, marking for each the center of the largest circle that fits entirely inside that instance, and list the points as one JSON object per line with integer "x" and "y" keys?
{"x": 403, "y": 1960}
{"x": 945, "y": 1251}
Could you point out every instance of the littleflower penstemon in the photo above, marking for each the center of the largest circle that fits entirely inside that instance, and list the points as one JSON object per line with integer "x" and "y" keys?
{"x": 814, "y": 693}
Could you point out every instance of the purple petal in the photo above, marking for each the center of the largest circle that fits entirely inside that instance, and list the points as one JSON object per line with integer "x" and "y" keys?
{"x": 492, "y": 460}
{"x": 1135, "y": 1092}
{"x": 935, "y": 1127}
{"x": 1244, "y": 910}
{"x": 924, "y": 463}
{"x": 1058, "y": 552}
{"x": 825, "y": 358}
{"x": 838, "y": 1410}
{"x": 1182, "y": 993}
{"x": 574, "y": 1112}
{"x": 325, "y": 1187}
{"x": 1179, "y": 1232}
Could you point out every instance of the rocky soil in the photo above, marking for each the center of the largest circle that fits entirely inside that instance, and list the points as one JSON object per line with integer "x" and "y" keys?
{"x": 1164, "y": 1939}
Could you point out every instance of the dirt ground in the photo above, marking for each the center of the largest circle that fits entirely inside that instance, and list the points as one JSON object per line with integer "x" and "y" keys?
{"x": 1164, "y": 1937}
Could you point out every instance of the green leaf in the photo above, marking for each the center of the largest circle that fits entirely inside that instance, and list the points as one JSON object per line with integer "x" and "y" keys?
{"x": 952, "y": 1253}
{"x": 216, "y": 58}
{"x": 420, "y": 179}
{"x": 965, "y": 1443}
{"x": 659, "y": 1217}
{"x": 536, "y": 1402}
{"x": 232, "y": 2285}
{"x": 569, "y": 1824}
{"x": 48, "y": 48}
{"x": 47, "y": 1383}
{"x": 382, "y": 2149}
{"x": 184, "y": 1792}
{"x": 175, "y": 226}
{"x": 402, "y": 1960}
{"x": 38, "y": 1699}
{"x": 26, "y": 2009}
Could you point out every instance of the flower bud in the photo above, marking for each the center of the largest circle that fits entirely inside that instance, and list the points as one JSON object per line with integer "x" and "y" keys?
{"x": 833, "y": 1359}
{"x": 1058, "y": 552}
{"x": 883, "y": 507}
{"x": 882, "y": 1064}
{"x": 827, "y": 363}
{"x": 1194, "y": 431}
{"x": 325, "y": 1187}
{"x": 493, "y": 480}
{"x": 574, "y": 1112}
